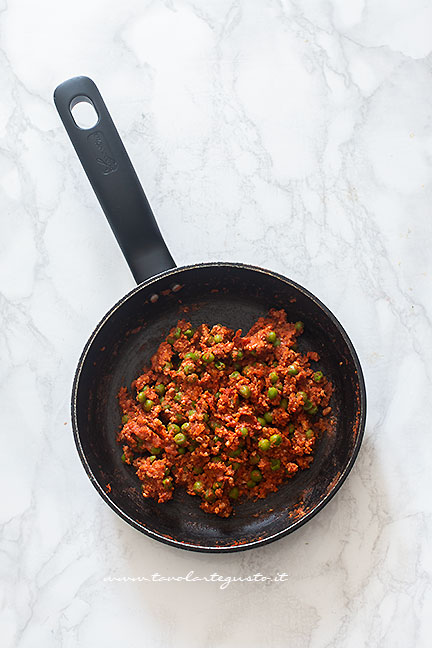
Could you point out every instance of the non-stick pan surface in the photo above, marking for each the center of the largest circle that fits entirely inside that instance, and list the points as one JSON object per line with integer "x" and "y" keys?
{"x": 124, "y": 341}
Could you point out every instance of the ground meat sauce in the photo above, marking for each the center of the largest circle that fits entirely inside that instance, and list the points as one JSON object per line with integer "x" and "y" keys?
{"x": 222, "y": 415}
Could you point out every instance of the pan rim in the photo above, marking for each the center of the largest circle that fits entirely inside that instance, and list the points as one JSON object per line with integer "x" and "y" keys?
{"x": 259, "y": 541}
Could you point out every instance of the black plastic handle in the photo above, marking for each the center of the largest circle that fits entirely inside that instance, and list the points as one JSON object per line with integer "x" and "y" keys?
{"x": 114, "y": 180}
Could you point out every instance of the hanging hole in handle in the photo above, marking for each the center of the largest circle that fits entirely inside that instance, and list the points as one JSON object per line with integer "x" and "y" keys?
{"x": 83, "y": 112}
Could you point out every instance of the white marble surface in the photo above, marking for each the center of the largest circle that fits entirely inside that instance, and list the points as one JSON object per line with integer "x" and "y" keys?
{"x": 292, "y": 135}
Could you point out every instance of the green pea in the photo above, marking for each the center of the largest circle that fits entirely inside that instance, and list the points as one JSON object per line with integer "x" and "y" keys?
{"x": 188, "y": 369}
{"x": 273, "y": 377}
{"x": 303, "y": 395}
{"x": 299, "y": 327}
{"x": 272, "y": 392}
{"x": 167, "y": 366}
{"x": 180, "y": 438}
{"x": 178, "y": 398}
{"x": 254, "y": 460}
{"x": 155, "y": 451}
{"x": 141, "y": 396}
{"x": 210, "y": 340}
{"x": 264, "y": 445}
{"x": 193, "y": 355}
{"x": 148, "y": 405}
{"x": 275, "y": 464}
{"x": 197, "y": 470}
{"x": 217, "y": 485}
{"x": 256, "y": 475}
{"x": 177, "y": 333}
{"x": 292, "y": 370}
{"x": 205, "y": 417}
{"x": 198, "y": 486}
{"x": 235, "y": 453}
{"x": 208, "y": 357}
{"x": 271, "y": 337}
{"x": 244, "y": 391}
{"x": 291, "y": 428}
{"x": 219, "y": 365}
{"x": 309, "y": 434}
{"x": 235, "y": 465}
{"x": 313, "y": 410}
{"x": 239, "y": 355}
{"x": 244, "y": 431}
{"x": 185, "y": 427}
{"x": 123, "y": 458}
{"x": 284, "y": 403}
{"x": 217, "y": 338}
{"x": 234, "y": 493}
{"x": 152, "y": 458}
{"x": 235, "y": 374}
{"x": 181, "y": 450}
{"x": 318, "y": 376}
{"x": 276, "y": 439}
{"x": 250, "y": 483}
{"x": 191, "y": 413}
{"x": 125, "y": 419}
{"x": 268, "y": 417}
{"x": 209, "y": 496}
{"x": 173, "y": 428}
{"x": 308, "y": 405}
{"x": 160, "y": 389}
{"x": 277, "y": 342}
{"x": 167, "y": 483}
{"x": 217, "y": 395}
{"x": 261, "y": 421}
{"x": 189, "y": 333}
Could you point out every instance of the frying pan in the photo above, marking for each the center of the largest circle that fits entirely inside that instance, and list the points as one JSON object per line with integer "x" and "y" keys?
{"x": 233, "y": 294}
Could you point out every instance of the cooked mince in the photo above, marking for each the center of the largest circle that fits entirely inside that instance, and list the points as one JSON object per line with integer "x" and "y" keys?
{"x": 223, "y": 415}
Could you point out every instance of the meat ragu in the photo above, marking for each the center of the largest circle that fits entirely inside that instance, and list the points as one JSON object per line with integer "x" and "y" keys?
{"x": 222, "y": 415}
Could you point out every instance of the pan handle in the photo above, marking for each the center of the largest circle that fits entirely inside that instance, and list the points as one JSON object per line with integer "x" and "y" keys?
{"x": 114, "y": 180}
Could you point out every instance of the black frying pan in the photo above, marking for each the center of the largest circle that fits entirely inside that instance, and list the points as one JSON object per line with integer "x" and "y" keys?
{"x": 232, "y": 294}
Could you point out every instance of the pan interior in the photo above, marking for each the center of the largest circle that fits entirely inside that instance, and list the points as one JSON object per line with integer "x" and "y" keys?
{"x": 124, "y": 343}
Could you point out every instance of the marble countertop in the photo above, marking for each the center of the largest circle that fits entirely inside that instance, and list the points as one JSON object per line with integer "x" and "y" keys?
{"x": 292, "y": 135}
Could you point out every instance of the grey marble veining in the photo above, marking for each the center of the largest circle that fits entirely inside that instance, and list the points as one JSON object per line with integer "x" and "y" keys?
{"x": 292, "y": 135}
